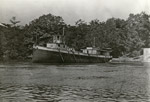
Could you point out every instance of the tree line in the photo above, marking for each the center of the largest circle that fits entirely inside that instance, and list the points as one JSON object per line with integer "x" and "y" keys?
{"x": 124, "y": 37}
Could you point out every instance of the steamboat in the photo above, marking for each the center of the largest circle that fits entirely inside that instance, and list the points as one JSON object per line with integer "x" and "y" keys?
{"x": 58, "y": 52}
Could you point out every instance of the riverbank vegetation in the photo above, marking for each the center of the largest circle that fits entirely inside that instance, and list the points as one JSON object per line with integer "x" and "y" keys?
{"x": 124, "y": 37}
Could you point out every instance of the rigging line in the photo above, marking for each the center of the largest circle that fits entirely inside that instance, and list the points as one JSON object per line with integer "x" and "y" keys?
{"x": 61, "y": 56}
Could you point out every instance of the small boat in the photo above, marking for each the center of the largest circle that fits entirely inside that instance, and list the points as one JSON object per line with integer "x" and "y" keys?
{"x": 126, "y": 60}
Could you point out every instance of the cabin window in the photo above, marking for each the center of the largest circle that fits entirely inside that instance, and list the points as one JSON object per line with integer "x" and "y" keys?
{"x": 87, "y": 52}
{"x": 44, "y": 45}
{"x": 57, "y": 37}
{"x": 58, "y": 45}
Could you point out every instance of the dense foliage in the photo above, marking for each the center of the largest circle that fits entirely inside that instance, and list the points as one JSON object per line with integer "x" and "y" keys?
{"x": 124, "y": 37}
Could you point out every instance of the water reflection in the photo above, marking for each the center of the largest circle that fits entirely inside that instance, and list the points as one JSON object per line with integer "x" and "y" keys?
{"x": 74, "y": 83}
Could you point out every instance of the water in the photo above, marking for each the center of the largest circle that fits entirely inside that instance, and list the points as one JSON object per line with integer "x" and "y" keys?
{"x": 25, "y": 82}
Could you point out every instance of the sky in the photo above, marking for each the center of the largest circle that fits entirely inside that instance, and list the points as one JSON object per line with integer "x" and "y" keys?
{"x": 71, "y": 10}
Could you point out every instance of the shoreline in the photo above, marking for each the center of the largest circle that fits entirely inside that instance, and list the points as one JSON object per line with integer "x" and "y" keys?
{"x": 16, "y": 61}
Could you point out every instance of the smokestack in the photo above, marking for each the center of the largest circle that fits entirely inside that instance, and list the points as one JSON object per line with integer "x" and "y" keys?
{"x": 63, "y": 31}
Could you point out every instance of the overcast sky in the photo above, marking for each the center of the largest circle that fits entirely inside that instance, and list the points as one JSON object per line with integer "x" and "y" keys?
{"x": 71, "y": 10}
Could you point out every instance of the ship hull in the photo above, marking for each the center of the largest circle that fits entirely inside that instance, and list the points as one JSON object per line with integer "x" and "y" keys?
{"x": 54, "y": 56}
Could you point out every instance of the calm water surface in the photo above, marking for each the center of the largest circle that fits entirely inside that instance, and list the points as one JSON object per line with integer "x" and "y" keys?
{"x": 25, "y": 82}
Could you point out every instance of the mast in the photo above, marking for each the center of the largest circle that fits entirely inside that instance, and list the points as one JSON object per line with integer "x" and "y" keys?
{"x": 94, "y": 42}
{"x": 36, "y": 43}
{"x": 63, "y": 36}
{"x": 63, "y": 31}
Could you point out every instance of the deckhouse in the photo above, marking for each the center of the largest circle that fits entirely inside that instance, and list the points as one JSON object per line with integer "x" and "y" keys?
{"x": 57, "y": 43}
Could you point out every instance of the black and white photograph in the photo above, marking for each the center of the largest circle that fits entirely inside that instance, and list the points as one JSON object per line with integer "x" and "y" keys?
{"x": 74, "y": 50}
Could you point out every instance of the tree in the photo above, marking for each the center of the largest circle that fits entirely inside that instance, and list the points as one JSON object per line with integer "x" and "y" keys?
{"x": 12, "y": 41}
{"x": 41, "y": 29}
{"x": 137, "y": 33}
{"x": 14, "y": 22}
{"x": 116, "y": 36}
{"x": 76, "y": 35}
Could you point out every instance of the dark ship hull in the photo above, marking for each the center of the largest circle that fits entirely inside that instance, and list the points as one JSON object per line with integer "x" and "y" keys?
{"x": 47, "y": 55}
